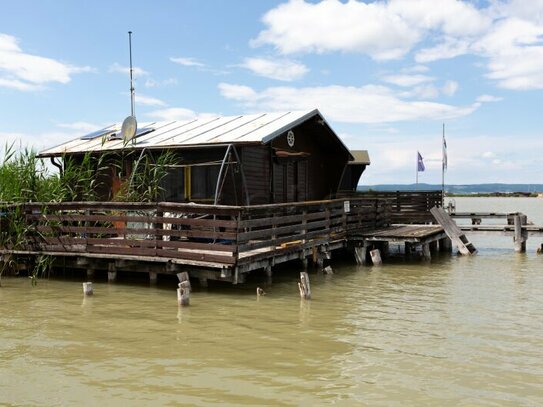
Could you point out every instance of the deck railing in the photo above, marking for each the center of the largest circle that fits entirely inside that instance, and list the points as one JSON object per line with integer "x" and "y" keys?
{"x": 406, "y": 206}
{"x": 224, "y": 235}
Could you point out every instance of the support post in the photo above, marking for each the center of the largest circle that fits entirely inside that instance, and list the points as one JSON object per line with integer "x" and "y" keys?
{"x": 87, "y": 288}
{"x": 112, "y": 273}
{"x": 519, "y": 238}
{"x": 360, "y": 253}
{"x": 203, "y": 282}
{"x": 269, "y": 274}
{"x": 183, "y": 294}
{"x": 376, "y": 257}
{"x": 153, "y": 277}
{"x": 304, "y": 286}
{"x": 426, "y": 254}
{"x": 445, "y": 245}
{"x": 90, "y": 274}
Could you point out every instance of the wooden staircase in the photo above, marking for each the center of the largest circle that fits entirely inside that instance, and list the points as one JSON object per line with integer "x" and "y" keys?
{"x": 453, "y": 231}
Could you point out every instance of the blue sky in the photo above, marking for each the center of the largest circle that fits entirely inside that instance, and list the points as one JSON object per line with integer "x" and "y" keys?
{"x": 385, "y": 74}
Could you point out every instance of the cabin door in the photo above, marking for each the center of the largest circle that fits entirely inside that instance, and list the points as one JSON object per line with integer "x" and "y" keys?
{"x": 290, "y": 181}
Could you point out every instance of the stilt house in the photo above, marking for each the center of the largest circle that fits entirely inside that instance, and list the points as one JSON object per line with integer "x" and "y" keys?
{"x": 237, "y": 160}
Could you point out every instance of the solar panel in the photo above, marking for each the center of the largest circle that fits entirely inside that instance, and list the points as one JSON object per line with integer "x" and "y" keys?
{"x": 140, "y": 132}
{"x": 97, "y": 133}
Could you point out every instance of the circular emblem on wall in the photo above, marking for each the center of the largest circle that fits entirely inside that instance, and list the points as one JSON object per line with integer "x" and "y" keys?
{"x": 290, "y": 138}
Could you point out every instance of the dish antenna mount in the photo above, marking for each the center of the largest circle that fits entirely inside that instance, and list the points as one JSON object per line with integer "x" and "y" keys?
{"x": 130, "y": 124}
{"x": 129, "y": 128}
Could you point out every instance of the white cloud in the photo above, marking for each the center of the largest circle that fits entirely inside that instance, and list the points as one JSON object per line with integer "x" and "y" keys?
{"x": 153, "y": 83}
{"x": 136, "y": 71}
{"x": 329, "y": 26}
{"x": 450, "y": 88}
{"x": 450, "y": 48}
{"x": 279, "y": 69}
{"x": 407, "y": 80}
{"x": 187, "y": 61}
{"x": 83, "y": 127}
{"x": 489, "y": 98}
{"x": 507, "y": 34}
{"x": 148, "y": 100}
{"x": 22, "y": 71}
{"x": 366, "y": 104}
{"x": 488, "y": 154}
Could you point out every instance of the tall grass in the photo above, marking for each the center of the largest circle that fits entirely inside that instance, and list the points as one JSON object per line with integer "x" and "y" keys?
{"x": 26, "y": 178}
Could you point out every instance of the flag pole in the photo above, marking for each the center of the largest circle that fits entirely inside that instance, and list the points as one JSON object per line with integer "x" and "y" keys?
{"x": 417, "y": 170}
{"x": 443, "y": 152}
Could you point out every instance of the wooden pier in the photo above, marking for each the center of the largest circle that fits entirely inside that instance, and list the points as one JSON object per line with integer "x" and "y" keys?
{"x": 211, "y": 242}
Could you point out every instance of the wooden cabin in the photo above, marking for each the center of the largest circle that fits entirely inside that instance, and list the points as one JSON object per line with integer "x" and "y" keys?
{"x": 237, "y": 160}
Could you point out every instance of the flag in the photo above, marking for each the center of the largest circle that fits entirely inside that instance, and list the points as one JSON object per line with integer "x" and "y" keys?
{"x": 420, "y": 163}
{"x": 444, "y": 154}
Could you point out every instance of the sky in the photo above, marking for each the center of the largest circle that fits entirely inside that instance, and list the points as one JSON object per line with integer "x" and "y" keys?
{"x": 386, "y": 75}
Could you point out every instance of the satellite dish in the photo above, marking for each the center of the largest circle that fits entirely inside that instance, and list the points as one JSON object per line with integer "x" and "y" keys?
{"x": 129, "y": 128}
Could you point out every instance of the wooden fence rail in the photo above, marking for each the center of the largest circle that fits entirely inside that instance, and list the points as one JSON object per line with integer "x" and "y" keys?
{"x": 215, "y": 234}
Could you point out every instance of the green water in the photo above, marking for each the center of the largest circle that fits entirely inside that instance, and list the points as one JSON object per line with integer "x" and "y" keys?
{"x": 455, "y": 331}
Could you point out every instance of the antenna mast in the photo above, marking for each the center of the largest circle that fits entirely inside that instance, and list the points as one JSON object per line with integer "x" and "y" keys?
{"x": 132, "y": 90}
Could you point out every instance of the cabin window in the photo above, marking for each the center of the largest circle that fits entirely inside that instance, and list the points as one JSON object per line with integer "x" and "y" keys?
{"x": 173, "y": 185}
{"x": 203, "y": 181}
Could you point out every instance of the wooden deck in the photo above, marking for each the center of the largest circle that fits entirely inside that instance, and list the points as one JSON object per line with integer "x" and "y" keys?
{"x": 399, "y": 234}
{"x": 210, "y": 241}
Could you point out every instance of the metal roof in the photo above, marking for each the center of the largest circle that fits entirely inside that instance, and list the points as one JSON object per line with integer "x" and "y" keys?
{"x": 254, "y": 128}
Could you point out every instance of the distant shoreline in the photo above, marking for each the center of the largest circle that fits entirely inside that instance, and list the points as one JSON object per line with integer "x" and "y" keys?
{"x": 495, "y": 195}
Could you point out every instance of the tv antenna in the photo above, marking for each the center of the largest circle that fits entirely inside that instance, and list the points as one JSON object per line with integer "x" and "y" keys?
{"x": 130, "y": 124}
{"x": 132, "y": 90}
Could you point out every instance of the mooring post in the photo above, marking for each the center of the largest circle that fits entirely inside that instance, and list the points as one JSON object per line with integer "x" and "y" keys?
{"x": 183, "y": 294}
{"x": 112, "y": 273}
{"x": 376, "y": 257}
{"x": 87, "y": 288}
{"x": 269, "y": 273}
{"x": 426, "y": 254}
{"x": 519, "y": 238}
{"x": 153, "y": 277}
{"x": 304, "y": 286}
{"x": 445, "y": 245}
{"x": 360, "y": 253}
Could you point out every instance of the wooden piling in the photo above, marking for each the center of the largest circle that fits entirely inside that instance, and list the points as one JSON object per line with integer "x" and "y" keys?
{"x": 183, "y": 294}
{"x": 376, "y": 257}
{"x": 519, "y": 237}
{"x": 304, "y": 286}
{"x": 328, "y": 270}
{"x": 153, "y": 277}
{"x": 90, "y": 274}
{"x": 112, "y": 273}
{"x": 426, "y": 253}
{"x": 360, "y": 254}
{"x": 87, "y": 288}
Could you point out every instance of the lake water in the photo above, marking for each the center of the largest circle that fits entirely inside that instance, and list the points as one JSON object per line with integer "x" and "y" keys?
{"x": 457, "y": 331}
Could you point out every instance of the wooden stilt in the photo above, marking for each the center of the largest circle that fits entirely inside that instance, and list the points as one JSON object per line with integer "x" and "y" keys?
{"x": 153, "y": 277}
{"x": 203, "y": 282}
{"x": 445, "y": 245}
{"x": 90, "y": 274}
{"x": 184, "y": 276}
{"x": 360, "y": 254}
{"x": 87, "y": 288}
{"x": 519, "y": 238}
{"x": 426, "y": 254}
{"x": 305, "y": 263}
{"x": 376, "y": 257}
{"x": 304, "y": 286}
{"x": 433, "y": 246}
{"x": 183, "y": 294}
{"x": 112, "y": 273}
{"x": 269, "y": 274}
